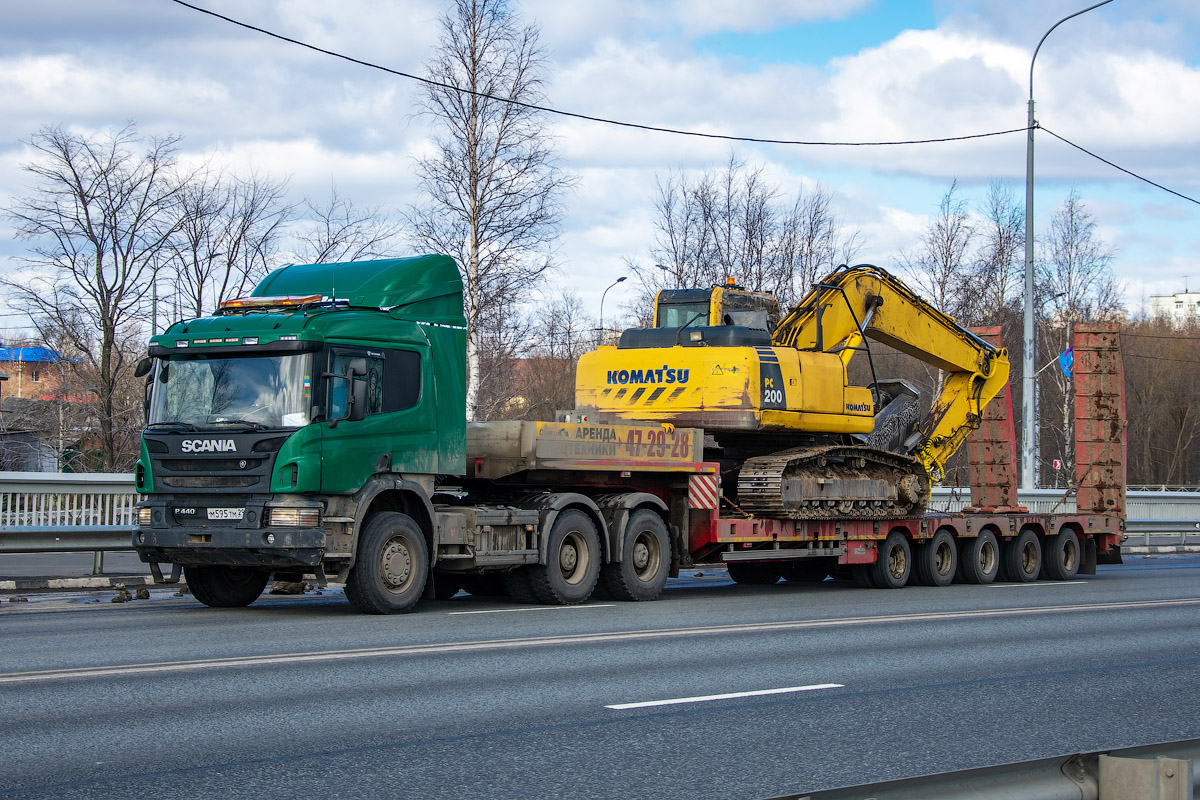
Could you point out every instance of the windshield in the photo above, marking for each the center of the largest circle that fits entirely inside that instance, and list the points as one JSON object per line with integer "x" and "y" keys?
{"x": 676, "y": 315}
{"x": 252, "y": 391}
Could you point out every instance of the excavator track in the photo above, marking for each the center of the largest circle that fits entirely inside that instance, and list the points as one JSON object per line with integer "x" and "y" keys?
{"x": 839, "y": 482}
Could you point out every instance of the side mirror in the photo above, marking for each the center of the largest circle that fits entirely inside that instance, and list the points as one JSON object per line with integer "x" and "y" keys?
{"x": 358, "y": 399}
{"x": 143, "y": 368}
{"x": 357, "y": 367}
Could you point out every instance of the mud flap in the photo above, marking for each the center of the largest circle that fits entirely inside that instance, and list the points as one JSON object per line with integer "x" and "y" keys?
{"x": 1088, "y": 566}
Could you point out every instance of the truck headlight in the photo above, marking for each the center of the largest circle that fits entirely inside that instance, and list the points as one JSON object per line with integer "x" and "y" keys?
{"x": 293, "y": 517}
{"x": 143, "y": 516}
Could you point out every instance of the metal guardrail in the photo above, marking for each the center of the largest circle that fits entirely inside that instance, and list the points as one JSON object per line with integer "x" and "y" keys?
{"x": 50, "y": 512}
{"x": 53, "y": 512}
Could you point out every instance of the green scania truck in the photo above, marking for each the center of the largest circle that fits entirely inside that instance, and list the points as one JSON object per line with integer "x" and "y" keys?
{"x": 318, "y": 428}
{"x": 292, "y": 433}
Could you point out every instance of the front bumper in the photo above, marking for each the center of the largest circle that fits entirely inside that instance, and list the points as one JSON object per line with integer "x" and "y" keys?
{"x": 274, "y": 548}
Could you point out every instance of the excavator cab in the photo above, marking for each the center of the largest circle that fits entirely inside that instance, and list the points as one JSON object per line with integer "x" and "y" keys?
{"x": 727, "y": 304}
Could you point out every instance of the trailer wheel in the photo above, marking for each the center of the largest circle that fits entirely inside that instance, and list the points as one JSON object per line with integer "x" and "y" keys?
{"x": 645, "y": 561}
{"x": 755, "y": 573}
{"x": 392, "y": 567}
{"x": 1062, "y": 555}
{"x": 572, "y": 561}
{"x": 226, "y": 587}
{"x": 937, "y": 560}
{"x": 979, "y": 558}
{"x": 893, "y": 566}
{"x": 1023, "y": 557}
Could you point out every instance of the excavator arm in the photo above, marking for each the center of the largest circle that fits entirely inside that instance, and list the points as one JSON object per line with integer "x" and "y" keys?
{"x": 865, "y": 301}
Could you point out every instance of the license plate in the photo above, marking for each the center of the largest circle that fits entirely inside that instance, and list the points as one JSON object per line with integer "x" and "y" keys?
{"x": 226, "y": 513}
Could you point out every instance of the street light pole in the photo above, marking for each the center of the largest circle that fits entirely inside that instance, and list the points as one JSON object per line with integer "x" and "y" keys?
{"x": 602, "y": 296}
{"x": 1029, "y": 390}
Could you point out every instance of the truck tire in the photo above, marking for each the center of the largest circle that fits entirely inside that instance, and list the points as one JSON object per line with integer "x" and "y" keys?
{"x": 806, "y": 570}
{"x": 572, "y": 561}
{"x": 645, "y": 561}
{"x": 755, "y": 573}
{"x": 1023, "y": 558}
{"x": 979, "y": 558}
{"x": 226, "y": 587}
{"x": 1062, "y": 554}
{"x": 893, "y": 566}
{"x": 392, "y": 566}
{"x": 936, "y": 560}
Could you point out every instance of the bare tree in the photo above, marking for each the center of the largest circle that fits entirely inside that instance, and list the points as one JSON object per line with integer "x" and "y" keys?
{"x": 99, "y": 218}
{"x": 494, "y": 189}
{"x": 940, "y": 265}
{"x": 999, "y": 258}
{"x": 811, "y": 242}
{"x": 545, "y": 377}
{"x": 339, "y": 231}
{"x": 731, "y": 223}
{"x": 229, "y": 227}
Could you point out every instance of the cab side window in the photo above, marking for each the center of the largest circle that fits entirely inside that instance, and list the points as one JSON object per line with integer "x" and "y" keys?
{"x": 393, "y": 380}
{"x": 401, "y": 379}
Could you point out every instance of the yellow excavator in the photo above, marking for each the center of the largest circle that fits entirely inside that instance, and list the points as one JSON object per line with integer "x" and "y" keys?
{"x": 795, "y": 439}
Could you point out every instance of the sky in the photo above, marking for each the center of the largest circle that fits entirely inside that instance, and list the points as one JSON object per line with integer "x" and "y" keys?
{"x": 1122, "y": 81}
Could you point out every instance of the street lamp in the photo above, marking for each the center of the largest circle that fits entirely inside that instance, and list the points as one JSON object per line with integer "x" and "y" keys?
{"x": 602, "y": 296}
{"x": 1028, "y": 400}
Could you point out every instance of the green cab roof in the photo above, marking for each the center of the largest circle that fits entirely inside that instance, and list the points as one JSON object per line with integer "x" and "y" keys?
{"x": 429, "y": 285}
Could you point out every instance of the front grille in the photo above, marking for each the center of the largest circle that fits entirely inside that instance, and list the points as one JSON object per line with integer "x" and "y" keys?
{"x": 235, "y": 469}
{"x": 211, "y": 481}
{"x": 211, "y": 465}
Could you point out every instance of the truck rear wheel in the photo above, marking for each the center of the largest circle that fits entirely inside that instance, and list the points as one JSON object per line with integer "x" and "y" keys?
{"x": 1062, "y": 556}
{"x": 979, "y": 558}
{"x": 392, "y": 566}
{"x": 645, "y": 561}
{"x": 1023, "y": 557}
{"x": 755, "y": 573}
{"x": 936, "y": 560}
{"x": 893, "y": 566}
{"x": 572, "y": 561}
{"x": 226, "y": 587}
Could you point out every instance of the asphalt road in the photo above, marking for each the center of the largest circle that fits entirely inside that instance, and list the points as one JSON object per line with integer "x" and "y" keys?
{"x": 774, "y": 690}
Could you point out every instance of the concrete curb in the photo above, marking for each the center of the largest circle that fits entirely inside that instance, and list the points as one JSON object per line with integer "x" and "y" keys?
{"x": 66, "y": 584}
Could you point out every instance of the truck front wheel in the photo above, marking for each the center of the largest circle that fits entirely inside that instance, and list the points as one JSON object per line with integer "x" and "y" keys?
{"x": 572, "y": 561}
{"x": 645, "y": 561}
{"x": 226, "y": 587}
{"x": 392, "y": 566}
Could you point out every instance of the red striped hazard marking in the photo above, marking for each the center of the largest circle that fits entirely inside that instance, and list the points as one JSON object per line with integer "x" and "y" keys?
{"x": 702, "y": 491}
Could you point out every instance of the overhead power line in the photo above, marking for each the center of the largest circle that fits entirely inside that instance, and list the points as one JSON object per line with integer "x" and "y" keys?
{"x": 587, "y": 117}
{"x": 1118, "y": 166}
{"x": 658, "y": 128}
